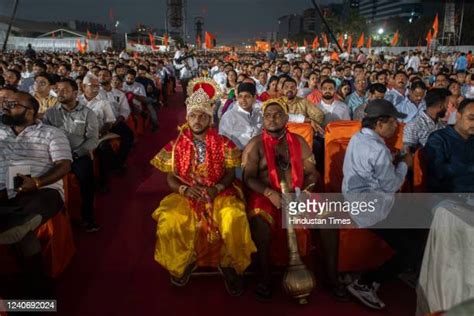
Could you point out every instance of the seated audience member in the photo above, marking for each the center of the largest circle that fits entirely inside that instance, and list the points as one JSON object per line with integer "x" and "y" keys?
{"x": 450, "y": 154}
{"x": 359, "y": 96}
{"x": 243, "y": 120}
{"x": 333, "y": 110}
{"x": 376, "y": 91}
{"x": 82, "y": 129}
{"x": 140, "y": 94}
{"x": 414, "y": 103}
{"x": 106, "y": 118}
{"x": 121, "y": 110}
{"x": 35, "y": 157}
{"x": 369, "y": 169}
{"x": 415, "y": 133}
{"x": 42, "y": 88}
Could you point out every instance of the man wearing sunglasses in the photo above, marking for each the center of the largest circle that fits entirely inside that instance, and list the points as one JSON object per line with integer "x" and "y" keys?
{"x": 27, "y": 200}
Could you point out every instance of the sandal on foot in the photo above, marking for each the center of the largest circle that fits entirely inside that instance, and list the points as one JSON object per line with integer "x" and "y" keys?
{"x": 184, "y": 279}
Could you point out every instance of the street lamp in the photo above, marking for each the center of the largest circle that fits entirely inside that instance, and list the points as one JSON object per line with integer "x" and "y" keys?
{"x": 380, "y": 31}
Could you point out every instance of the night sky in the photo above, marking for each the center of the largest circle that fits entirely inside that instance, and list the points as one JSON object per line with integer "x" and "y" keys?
{"x": 231, "y": 20}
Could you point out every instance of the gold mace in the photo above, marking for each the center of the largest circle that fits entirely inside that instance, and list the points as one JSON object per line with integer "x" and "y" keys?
{"x": 298, "y": 280}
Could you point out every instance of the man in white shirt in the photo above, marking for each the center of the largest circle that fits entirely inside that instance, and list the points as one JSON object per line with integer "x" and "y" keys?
{"x": 187, "y": 66}
{"x": 105, "y": 115}
{"x": 244, "y": 120}
{"x": 414, "y": 62}
{"x": 333, "y": 109}
{"x": 121, "y": 109}
{"x": 139, "y": 96}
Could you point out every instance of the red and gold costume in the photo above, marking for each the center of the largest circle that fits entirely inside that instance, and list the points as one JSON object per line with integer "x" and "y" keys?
{"x": 212, "y": 233}
{"x": 260, "y": 205}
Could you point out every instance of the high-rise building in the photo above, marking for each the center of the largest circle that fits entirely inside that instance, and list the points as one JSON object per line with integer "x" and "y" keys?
{"x": 377, "y": 10}
{"x": 309, "y": 21}
{"x": 289, "y": 25}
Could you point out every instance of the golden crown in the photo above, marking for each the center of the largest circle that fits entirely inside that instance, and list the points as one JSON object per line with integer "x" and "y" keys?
{"x": 199, "y": 101}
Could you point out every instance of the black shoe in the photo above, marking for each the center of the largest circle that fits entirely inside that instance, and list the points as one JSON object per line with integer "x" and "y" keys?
{"x": 91, "y": 227}
{"x": 366, "y": 294}
{"x": 234, "y": 283}
{"x": 184, "y": 279}
{"x": 263, "y": 291}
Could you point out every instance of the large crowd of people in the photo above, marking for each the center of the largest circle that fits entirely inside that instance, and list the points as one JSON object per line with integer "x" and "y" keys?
{"x": 61, "y": 112}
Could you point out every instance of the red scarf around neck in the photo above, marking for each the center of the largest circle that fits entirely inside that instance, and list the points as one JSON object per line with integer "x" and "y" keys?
{"x": 294, "y": 149}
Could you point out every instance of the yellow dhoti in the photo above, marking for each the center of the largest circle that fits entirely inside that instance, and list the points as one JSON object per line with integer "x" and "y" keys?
{"x": 180, "y": 238}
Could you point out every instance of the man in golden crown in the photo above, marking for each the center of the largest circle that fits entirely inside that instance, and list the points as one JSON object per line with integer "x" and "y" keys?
{"x": 203, "y": 223}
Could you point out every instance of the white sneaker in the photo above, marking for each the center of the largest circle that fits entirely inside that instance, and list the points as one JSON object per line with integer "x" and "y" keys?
{"x": 17, "y": 233}
{"x": 367, "y": 295}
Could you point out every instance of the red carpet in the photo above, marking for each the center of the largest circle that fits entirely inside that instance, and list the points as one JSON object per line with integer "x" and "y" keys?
{"x": 113, "y": 272}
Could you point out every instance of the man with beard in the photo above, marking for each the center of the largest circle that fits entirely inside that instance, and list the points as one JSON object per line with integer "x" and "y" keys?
{"x": 415, "y": 133}
{"x": 121, "y": 110}
{"x": 450, "y": 154}
{"x": 269, "y": 158}
{"x": 82, "y": 129}
{"x": 203, "y": 223}
{"x": 27, "y": 200}
{"x": 414, "y": 103}
{"x": 398, "y": 93}
{"x": 300, "y": 110}
{"x": 332, "y": 109}
{"x": 140, "y": 95}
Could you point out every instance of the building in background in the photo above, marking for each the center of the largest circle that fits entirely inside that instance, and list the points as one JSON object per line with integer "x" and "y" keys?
{"x": 289, "y": 26}
{"x": 378, "y": 10}
{"x": 309, "y": 21}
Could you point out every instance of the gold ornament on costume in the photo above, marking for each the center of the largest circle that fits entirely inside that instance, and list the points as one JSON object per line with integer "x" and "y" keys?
{"x": 208, "y": 85}
{"x": 199, "y": 101}
{"x": 280, "y": 101}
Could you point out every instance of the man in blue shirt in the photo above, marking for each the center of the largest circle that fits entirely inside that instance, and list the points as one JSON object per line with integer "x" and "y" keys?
{"x": 369, "y": 169}
{"x": 461, "y": 63}
{"x": 414, "y": 103}
{"x": 450, "y": 154}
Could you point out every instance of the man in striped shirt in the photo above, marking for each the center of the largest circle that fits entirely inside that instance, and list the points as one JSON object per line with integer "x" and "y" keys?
{"x": 33, "y": 160}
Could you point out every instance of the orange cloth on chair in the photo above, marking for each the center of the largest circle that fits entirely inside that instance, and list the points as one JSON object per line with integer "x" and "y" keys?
{"x": 304, "y": 130}
{"x": 57, "y": 243}
{"x": 419, "y": 172}
{"x": 359, "y": 249}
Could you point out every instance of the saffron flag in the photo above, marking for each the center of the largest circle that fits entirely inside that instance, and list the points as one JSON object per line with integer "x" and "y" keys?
{"x": 89, "y": 34}
{"x": 111, "y": 14}
{"x": 198, "y": 41}
{"x": 166, "y": 39}
{"x": 340, "y": 41}
{"x": 152, "y": 40}
{"x": 349, "y": 44}
{"x": 360, "y": 42}
{"x": 435, "y": 26}
{"x": 325, "y": 40}
{"x": 315, "y": 43}
{"x": 210, "y": 40}
{"x": 369, "y": 42}
{"x": 394, "y": 41}
{"x": 429, "y": 38}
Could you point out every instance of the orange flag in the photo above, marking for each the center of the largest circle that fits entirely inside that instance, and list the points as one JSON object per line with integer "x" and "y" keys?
{"x": 198, "y": 41}
{"x": 210, "y": 40}
{"x": 325, "y": 40}
{"x": 315, "y": 43}
{"x": 429, "y": 38}
{"x": 369, "y": 42}
{"x": 340, "y": 41}
{"x": 435, "y": 26}
{"x": 166, "y": 39}
{"x": 295, "y": 45}
{"x": 349, "y": 44}
{"x": 360, "y": 42}
{"x": 89, "y": 35}
{"x": 152, "y": 40}
{"x": 394, "y": 41}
